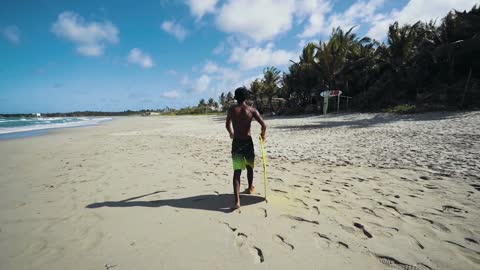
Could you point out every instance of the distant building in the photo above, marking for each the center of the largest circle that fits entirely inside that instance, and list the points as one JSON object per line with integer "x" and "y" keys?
{"x": 216, "y": 109}
{"x": 37, "y": 114}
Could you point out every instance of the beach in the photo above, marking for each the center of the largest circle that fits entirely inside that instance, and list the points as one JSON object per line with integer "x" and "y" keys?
{"x": 356, "y": 191}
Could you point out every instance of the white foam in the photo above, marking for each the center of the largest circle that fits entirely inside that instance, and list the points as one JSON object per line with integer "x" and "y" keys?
{"x": 86, "y": 122}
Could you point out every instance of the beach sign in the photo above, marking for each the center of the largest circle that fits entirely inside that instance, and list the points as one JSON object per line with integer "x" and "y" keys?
{"x": 331, "y": 93}
{"x": 326, "y": 95}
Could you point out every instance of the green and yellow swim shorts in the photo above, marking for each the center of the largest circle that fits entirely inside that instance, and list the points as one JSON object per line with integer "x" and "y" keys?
{"x": 243, "y": 153}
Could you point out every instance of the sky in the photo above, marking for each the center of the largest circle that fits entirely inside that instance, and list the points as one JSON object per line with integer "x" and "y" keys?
{"x": 63, "y": 56}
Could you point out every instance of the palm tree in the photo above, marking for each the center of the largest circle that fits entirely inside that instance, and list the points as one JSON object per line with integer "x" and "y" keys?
{"x": 221, "y": 100}
{"x": 229, "y": 100}
{"x": 332, "y": 56}
{"x": 418, "y": 62}
{"x": 395, "y": 62}
{"x": 308, "y": 53}
{"x": 201, "y": 104}
{"x": 271, "y": 80}
{"x": 211, "y": 103}
{"x": 455, "y": 48}
{"x": 256, "y": 88}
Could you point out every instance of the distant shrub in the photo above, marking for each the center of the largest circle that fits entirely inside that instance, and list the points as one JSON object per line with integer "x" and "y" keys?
{"x": 402, "y": 109}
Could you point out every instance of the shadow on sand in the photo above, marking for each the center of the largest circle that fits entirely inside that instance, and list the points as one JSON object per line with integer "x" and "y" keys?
{"x": 378, "y": 119}
{"x": 220, "y": 203}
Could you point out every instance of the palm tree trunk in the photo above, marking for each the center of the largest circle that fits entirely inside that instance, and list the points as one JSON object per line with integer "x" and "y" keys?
{"x": 270, "y": 103}
{"x": 466, "y": 86}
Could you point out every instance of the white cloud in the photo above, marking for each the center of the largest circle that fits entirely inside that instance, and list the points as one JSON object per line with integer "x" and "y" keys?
{"x": 202, "y": 83}
{"x": 258, "y": 19}
{"x": 136, "y": 56}
{"x": 359, "y": 12}
{"x": 261, "y": 57}
{"x": 198, "y": 8}
{"x": 172, "y": 72}
{"x": 416, "y": 10}
{"x": 321, "y": 20}
{"x": 90, "y": 50}
{"x": 11, "y": 33}
{"x": 210, "y": 67}
{"x": 246, "y": 81}
{"x": 302, "y": 43}
{"x": 171, "y": 94}
{"x": 175, "y": 29}
{"x": 220, "y": 48}
{"x": 264, "y": 20}
{"x": 89, "y": 37}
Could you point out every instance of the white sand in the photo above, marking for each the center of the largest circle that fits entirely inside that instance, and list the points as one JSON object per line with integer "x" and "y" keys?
{"x": 363, "y": 191}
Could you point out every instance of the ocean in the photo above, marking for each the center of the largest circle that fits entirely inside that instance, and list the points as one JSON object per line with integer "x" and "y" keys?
{"x": 13, "y": 127}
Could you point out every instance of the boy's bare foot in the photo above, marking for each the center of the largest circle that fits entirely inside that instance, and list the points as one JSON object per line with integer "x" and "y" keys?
{"x": 251, "y": 190}
{"x": 237, "y": 205}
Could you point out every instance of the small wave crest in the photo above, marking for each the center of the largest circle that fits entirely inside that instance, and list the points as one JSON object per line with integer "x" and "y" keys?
{"x": 53, "y": 124}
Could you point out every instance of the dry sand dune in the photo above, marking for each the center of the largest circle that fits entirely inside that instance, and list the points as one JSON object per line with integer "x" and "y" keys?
{"x": 361, "y": 191}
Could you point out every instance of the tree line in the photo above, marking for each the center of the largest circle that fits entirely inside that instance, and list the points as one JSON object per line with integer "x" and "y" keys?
{"x": 424, "y": 66}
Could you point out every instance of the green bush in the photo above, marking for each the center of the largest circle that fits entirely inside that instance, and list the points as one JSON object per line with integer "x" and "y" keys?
{"x": 402, "y": 109}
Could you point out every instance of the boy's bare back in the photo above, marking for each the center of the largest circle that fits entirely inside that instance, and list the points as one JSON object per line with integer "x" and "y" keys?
{"x": 241, "y": 117}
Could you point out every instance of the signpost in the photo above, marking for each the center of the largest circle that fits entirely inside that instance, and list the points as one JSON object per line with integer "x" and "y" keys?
{"x": 326, "y": 95}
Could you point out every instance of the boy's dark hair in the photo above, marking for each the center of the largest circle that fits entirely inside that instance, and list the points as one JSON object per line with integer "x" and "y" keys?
{"x": 241, "y": 94}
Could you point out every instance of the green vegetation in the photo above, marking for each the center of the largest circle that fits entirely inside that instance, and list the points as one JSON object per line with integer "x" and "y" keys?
{"x": 402, "y": 109}
{"x": 203, "y": 107}
{"x": 427, "y": 66}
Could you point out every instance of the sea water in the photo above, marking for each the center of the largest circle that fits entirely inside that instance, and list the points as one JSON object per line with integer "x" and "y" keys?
{"x": 12, "y": 127}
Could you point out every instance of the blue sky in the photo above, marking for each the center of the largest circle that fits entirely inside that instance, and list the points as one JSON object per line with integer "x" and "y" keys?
{"x": 60, "y": 56}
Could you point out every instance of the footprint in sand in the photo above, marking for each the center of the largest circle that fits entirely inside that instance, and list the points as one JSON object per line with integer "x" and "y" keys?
{"x": 369, "y": 211}
{"x": 362, "y": 228}
{"x": 296, "y": 218}
{"x": 471, "y": 241}
{"x": 476, "y": 186}
{"x": 347, "y": 228}
{"x": 233, "y": 229}
{"x": 257, "y": 254}
{"x": 474, "y": 254}
{"x": 394, "y": 263}
{"x": 279, "y": 191}
{"x": 302, "y": 202}
{"x": 381, "y": 230}
{"x": 436, "y": 225}
{"x": 321, "y": 240}
{"x": 450, "y": 208}
{"x": 240, "y": 239}
{"x": 263, "y": 212}
{"x": 415, "y": 242}
{"x": 430, "y": 186}
{"x": 342, "y": 244}
{"x": 281, "y": 240}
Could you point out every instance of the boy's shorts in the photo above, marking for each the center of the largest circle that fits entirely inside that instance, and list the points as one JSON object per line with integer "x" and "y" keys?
{"x": 243, "y": 153}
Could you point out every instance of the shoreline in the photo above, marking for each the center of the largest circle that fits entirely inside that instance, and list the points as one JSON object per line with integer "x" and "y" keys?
{"x": 38, "y": 130}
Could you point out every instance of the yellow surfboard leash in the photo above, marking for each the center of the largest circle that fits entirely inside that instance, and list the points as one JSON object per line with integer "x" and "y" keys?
{"x": 264, "y": 160}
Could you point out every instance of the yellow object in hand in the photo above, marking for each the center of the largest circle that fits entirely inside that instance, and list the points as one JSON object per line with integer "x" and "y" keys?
{"x": 264, "y": 160}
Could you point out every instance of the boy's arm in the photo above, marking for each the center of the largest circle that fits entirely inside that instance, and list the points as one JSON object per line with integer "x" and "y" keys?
{"x": 259, "y": 119}
{"x": 228, "y": 125}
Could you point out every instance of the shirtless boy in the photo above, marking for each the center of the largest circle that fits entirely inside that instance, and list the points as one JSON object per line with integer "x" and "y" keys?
{"x": 243, "y": 155}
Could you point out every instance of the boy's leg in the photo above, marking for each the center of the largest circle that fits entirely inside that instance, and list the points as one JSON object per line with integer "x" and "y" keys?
{"x": 250, "y": 179}
{"x": 236, "y": 187}
{"x": 250, "y": 163}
